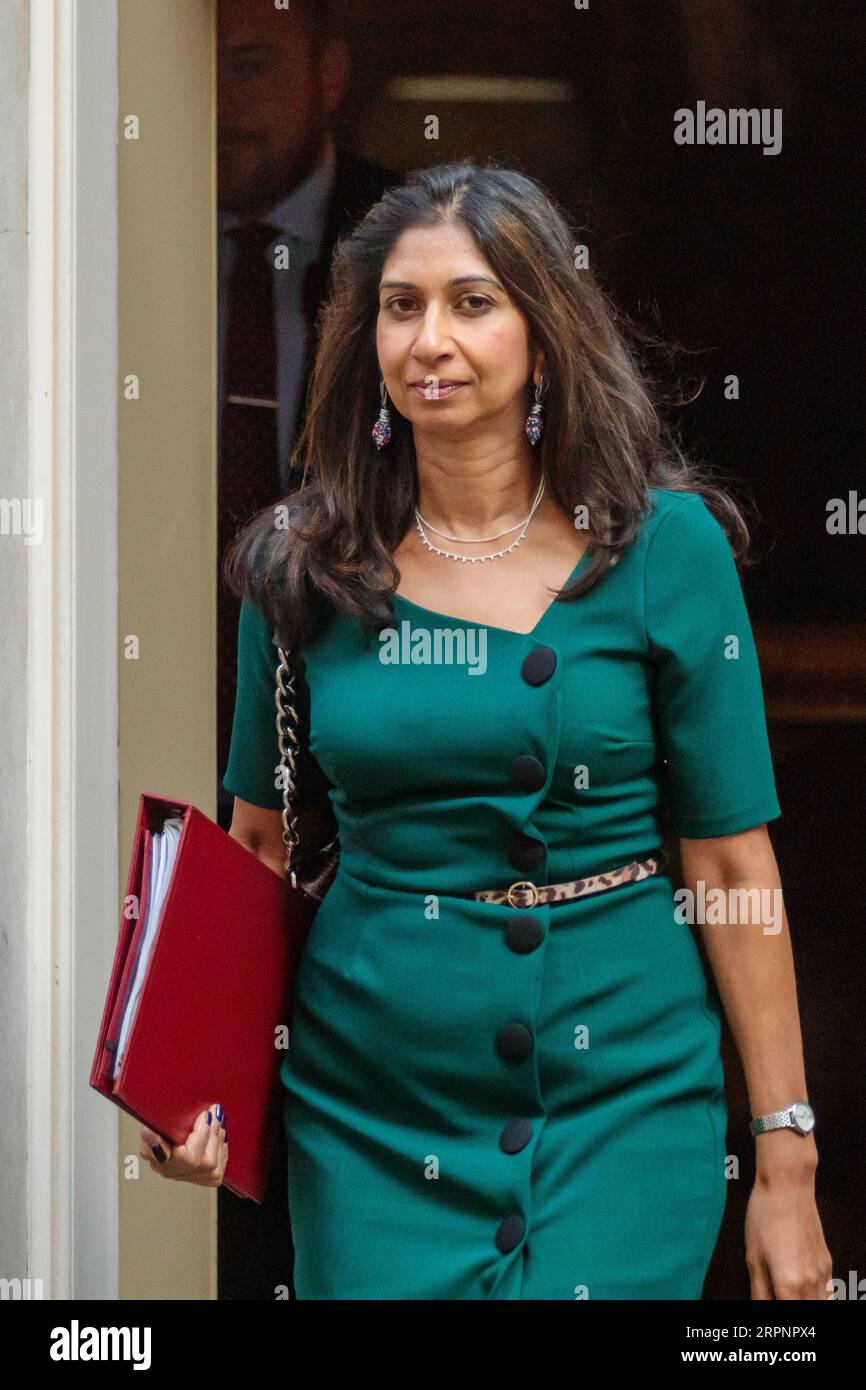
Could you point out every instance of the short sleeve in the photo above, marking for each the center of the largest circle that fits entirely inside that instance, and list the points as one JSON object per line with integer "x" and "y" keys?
{"x": 707, "y": 693}
{"x": 254, "y": 754}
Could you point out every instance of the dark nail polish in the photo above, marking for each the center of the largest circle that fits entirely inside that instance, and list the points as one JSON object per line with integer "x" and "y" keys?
{"x": 209, "y": 1117}
{"x": 219, "y": 1113}
{"x": 159, "y": 1152}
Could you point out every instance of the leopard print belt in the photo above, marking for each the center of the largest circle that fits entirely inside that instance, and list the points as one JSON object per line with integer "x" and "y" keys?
{"x": 523, "y": 893}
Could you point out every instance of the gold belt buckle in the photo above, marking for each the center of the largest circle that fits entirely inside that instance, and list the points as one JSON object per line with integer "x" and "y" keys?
{"x": 522, "y": 883}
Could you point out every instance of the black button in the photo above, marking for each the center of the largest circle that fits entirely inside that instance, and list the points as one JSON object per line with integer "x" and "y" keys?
{"x": 510, "y": 1233}
{"x": 524, "y": 851}
{"x": 527, "y": 772}
{"x": 515, "y": 1136}
{"x": 523, "y": 934}
{"x": 513, "y": 1042}
{"x": 538, "y": 666}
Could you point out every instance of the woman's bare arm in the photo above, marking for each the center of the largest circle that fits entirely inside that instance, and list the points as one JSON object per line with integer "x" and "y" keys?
{"x": 749, "y": 949}
{"x": 261, "y": 831}
{"x": 753, "y": 965}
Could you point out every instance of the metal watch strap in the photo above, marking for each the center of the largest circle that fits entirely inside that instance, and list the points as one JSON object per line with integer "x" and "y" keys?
{"x": 776, "y": 1119}
{"x": 785, "y": 1119}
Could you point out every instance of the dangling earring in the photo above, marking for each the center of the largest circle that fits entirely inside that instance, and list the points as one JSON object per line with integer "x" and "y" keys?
{"x": 535, "y": 418}
{"x": 382, "y": 427}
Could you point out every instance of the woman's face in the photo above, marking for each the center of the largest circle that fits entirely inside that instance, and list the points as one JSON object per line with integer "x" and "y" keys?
{"x": 453, "y": 348}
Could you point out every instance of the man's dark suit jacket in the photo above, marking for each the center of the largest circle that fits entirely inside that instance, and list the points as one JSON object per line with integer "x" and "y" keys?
{"x": 357, "y": 185}
{"x": 255, "y": 1241}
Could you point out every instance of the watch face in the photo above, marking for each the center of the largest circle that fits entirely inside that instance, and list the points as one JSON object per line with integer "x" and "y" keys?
{"x": 803, "y": 1117}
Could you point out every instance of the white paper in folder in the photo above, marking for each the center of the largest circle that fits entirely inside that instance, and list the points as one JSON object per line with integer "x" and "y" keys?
{"x": 163, "y": 853}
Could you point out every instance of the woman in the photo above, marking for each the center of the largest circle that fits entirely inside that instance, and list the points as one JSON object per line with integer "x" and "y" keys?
{"x": 522, "y": 637}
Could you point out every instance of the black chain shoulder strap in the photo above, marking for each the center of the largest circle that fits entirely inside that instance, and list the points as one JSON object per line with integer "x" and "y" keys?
{"x": 287, "y": 740}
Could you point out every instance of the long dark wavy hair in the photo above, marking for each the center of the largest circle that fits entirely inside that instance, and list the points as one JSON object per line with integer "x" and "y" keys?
{"x": 331, "y": 540}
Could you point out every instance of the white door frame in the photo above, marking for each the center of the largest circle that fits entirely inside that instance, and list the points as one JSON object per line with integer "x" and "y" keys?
{"x": 72, "y": 711}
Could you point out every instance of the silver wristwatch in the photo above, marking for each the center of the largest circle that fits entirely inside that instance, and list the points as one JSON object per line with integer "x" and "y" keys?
{"x": 798, "y": 1116}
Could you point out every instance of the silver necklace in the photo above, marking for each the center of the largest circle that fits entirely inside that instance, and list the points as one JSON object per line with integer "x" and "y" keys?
{"x": 466, "y": 540}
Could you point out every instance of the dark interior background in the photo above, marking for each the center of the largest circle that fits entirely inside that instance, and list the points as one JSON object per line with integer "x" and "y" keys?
{"x": 749, "y": 264}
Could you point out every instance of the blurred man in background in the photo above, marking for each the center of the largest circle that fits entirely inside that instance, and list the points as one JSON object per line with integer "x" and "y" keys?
{"x": 282, "y": 183}
{"x": 286, "y": 192}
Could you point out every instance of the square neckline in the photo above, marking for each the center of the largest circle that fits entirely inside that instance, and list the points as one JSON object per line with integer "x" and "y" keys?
{"x": 493, "y": 627}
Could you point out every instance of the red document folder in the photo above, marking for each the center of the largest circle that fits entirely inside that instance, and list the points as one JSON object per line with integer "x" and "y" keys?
{"x": 218, "y": 986}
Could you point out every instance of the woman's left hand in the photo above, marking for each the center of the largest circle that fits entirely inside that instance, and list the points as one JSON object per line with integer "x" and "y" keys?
{"x": 786, "y": 1254}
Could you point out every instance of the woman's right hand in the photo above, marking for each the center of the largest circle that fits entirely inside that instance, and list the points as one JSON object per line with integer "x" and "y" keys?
{"x": 201, "y": 1159}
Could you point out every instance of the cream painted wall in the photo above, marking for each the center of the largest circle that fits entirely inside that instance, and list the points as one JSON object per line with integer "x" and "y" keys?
{"x": 166, "y": 518}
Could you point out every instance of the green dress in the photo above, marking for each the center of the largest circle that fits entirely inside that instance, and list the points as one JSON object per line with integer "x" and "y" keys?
{"x": 492, "y": 1103}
